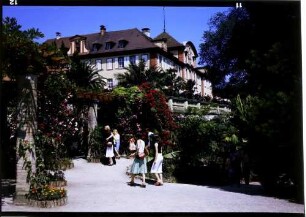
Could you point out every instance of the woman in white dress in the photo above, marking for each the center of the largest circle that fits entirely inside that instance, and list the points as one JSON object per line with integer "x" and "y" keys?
{"x": 139, "y": 164}
{"x": 109, "y": 141}
{"x": 117, "y": 142}
{"x": 157, "y": 166}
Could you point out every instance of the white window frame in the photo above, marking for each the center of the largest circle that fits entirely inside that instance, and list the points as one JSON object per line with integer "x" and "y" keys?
{"x": 116, "y": 63}
{"x": 145, "y": 58}
{"x": 98, "y": 64}
{"x": 132, "y": 59}
{"x": 120, "y": 62}
{"x": 109, "y": 63}
{"x": 126, "y": 61}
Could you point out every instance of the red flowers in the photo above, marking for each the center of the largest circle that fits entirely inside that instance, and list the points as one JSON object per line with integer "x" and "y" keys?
{"x": 160, "y": 109}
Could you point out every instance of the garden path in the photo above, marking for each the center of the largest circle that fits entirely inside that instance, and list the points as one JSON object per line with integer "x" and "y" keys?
{"x": 93, "y": 187}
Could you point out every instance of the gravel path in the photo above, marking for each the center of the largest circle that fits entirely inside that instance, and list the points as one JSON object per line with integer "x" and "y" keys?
{"x": 93, "y": 187}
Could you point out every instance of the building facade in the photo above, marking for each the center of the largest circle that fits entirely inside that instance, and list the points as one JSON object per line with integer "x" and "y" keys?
{"x": 111, "y": 52}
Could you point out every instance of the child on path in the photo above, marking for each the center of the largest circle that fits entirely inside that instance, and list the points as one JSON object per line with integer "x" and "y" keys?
{"x": 132, "y": 146}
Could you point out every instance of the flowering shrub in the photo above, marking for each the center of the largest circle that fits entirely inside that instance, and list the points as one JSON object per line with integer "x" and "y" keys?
{"x": 49, "y": 147}
{"x": 142, "y": 107}
{"x": 130, "y": 102}
{"x": 160, "y": 114}
{"x": 46, "y": 193}
{"x": 39, "y": 189}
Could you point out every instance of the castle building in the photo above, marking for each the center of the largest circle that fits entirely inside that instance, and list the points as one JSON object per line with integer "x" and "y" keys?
{"x": 111, "y": 52}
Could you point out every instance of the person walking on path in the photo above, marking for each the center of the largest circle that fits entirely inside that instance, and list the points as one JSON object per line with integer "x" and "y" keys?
{"x": 132, "y": 147}
{"x": 109, "y": 141}
{"x": 157, "y": 166}
{"x": 117, "y": 142}
{"x": 139, "y": 165}
{"x": 131, "y": 153}
{"x": 149, "y": 138}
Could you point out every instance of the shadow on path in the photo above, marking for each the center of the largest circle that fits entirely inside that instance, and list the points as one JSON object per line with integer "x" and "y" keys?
{"x": 251, "y": 189}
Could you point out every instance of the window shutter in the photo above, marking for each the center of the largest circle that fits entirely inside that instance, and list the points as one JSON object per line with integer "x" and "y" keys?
{"x": 116, "y": 63}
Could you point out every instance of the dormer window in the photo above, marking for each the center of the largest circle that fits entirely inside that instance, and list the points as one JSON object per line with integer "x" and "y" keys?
{"x": 109, "y": 45}
{"x": 77, "y": 46}
{"x": 96, "y": 46}
{"x": 122, "y": 43}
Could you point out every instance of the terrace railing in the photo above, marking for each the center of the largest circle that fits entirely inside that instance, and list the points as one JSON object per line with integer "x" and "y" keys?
{"x": 182, "y": 106}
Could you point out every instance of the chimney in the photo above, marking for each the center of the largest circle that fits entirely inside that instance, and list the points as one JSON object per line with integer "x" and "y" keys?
{"x": 58, "y": 35}
{"x": 102, "y": 29}
{"x": 146, "y": 31}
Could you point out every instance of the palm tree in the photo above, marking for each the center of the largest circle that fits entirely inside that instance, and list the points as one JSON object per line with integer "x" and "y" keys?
{"x": 136, "y": 74}
{"x": 189, "y": 89}
{"x": 167, "y": 81}
{"x": 170, "y": 83}
{"x": 85, "y": 76}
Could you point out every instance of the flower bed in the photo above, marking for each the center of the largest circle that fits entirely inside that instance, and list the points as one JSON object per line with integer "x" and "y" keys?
{"x": 47, "y": 203}
{"x": 47, "y": 196}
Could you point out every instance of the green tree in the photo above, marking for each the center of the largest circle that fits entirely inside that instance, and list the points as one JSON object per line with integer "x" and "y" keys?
{"x": 135, "y": 74}
{"x": 20, "y": 54}
{"x": 166, "y": 81}
{"x": 85, "y": 76}
{"x": 172, "y": 84}
{"x": 247, "y": 52}
{"x": 205, "y": 145}
{"x": 221, "y": 51}
{"x": 189, "y": 89}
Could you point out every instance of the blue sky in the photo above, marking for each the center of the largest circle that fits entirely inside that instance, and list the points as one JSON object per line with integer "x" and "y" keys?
{"x": 183, "y": 23}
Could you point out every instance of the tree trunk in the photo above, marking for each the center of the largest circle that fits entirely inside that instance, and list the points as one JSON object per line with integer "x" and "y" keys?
{"x": 92, "y": 122}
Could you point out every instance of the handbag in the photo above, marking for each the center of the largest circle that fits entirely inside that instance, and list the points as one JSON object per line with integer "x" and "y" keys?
{"x": 146, "y": 151}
